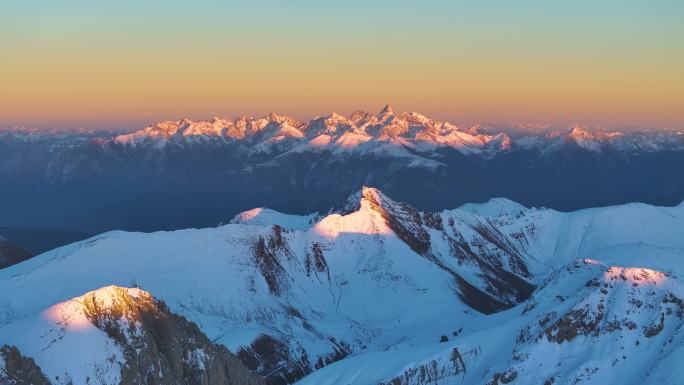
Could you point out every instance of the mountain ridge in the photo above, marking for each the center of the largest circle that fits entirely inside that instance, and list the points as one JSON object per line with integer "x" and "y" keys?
{"x": 211, "y": 171}
{"x": 308, "y": 298}
{"x": 346, "y": 132}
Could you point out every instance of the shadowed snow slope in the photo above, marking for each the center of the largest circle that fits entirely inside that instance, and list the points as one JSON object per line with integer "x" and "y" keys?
{"x": 365, "y": 294}
{"x": 10, "y": 253}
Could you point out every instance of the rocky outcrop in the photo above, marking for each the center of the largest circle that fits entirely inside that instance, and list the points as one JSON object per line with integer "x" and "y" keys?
{"x": 159, "y": 347}
{"x": 273, "y": 359}
{"x": 16, "y": 369}
{"x": 266, "y": 254}
{"x": 645, "y": 299}
{"x": 624, "y": 313}
{"x": 435, "y": 371}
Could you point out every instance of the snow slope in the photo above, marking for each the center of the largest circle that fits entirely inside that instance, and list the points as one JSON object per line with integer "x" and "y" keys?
{"x": 116, "y": 335}
{"x": 588, "y": 324}
{"x": 364, "y": 295}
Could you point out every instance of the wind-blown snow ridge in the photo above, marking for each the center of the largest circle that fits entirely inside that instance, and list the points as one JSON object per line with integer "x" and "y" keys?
{"x": 378, "y": 292}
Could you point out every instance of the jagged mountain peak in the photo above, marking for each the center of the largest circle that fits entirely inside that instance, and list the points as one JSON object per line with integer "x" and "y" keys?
{"x": 383, "y": 282}
{"x": 364, "y": 131}
{"x": 337, "y": 117}
{"x": 361, "y": 117}
{"x": 119, "y": 335}
{"x": 367, "y": 209}
{"x": 362, "y": 213}
{"x": 416, "y": 118}
{"x": 284, "y": 119}
{"x": 361, "y": 130}
{"x": 591, "y": 138}
{"x": 385, "y": 112}
{"x": 372, "y": 193}
{"x": 363, "y": 198}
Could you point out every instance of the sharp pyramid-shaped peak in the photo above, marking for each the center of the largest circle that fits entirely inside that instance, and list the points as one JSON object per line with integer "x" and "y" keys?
{"x": 361, "y": 117}
{"x": 283, "y": 119}
{"x": 363, "y": 213}
{"x": 375, "y": 200}
{"x": 366, "y": 197}
{"x": 185, "y": 122}
{"x": 579, "y": 132}
{"x": 386, "y": 111}
{"x": 416, "y": 118}
{"x": 335, "y": 118}
{"x": 273, "y": 116}
{"x": 372, "y": 194}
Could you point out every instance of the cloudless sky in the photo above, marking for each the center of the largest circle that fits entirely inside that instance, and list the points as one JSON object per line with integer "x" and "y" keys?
{"x": 127, "y": 63}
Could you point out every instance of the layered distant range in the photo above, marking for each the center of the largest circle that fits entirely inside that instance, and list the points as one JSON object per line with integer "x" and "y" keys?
{"x": 180, "y": 174}
{"x": 303, "y": 275}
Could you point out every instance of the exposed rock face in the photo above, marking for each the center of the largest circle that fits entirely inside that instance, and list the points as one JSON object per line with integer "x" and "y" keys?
{"x": 16, "y": 369}
{"x": 436, "y": 371}
{"x": 646, "y": 304}
{"x": 275, "y": 258}
{"x": 265, "y": 257}
{"x": 272, "y": 359}
{"x": 117, "y": 336}
{"x": 11, "y": 254}
{"x": 503, "y": 289}
{"x": 385, "y": 286}
{"x": 626, "y": 313}
{"x": 159, "y": 347}
{"x": 305, "y": 281}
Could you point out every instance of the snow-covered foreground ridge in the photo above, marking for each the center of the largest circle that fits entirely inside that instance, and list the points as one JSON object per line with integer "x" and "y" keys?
{"x": 376, "y": 292}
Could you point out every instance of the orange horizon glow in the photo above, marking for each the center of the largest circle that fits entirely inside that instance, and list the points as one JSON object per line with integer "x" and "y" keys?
{"x": 618, "y": 63}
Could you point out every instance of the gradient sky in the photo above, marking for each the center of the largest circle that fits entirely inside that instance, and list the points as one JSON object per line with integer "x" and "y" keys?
{"x": 127, "y": 63}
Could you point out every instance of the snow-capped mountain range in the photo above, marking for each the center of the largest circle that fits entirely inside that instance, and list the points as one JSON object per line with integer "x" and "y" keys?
{"x": 364, "y": 131}
{"x": 374, "y": 292}
{"x": 90, "y": 181}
